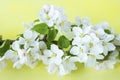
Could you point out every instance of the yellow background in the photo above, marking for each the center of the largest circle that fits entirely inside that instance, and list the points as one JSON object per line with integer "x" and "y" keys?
{"x": 14, "y": 12}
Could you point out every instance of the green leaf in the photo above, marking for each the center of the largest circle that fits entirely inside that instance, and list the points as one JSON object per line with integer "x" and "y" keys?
{"x": 63, "y": 42}
{"x": 41, "y": 28}
{"x": 4, "y": 47}
{"x": 48, "y": 44}
{"x": 107, "y": 31}
{"x": 37, "y": 20}
{"x": 52, "y": 34}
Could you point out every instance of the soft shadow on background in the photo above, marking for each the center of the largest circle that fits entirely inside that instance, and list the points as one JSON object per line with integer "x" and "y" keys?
{"x": 14, "y": 12}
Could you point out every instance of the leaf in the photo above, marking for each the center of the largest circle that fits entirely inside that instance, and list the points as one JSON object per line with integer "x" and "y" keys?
{"x": 52, "y": 34}
{"x": 4, "y": 47}
{"x": 107, "y": 31}
{"x": 41, "y": 28}
{"x": 37, "y": 20}
{"x": 63, "y": 42}
{"x": 48, "y": 44}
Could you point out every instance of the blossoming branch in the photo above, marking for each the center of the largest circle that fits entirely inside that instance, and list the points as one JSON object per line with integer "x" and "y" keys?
{"x": 60, "y": 44}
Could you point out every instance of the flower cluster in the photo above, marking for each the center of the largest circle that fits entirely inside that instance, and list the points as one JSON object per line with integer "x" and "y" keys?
{"x": 60, "y": 44}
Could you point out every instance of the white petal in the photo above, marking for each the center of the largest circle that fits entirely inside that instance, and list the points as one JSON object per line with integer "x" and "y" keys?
{"x": 47, "y": 53}
{"x": 27, "y": 34}
{"x": 59, "y": 53}
{"x": 83, "y": 57}
{"x": 42, "y": 45}
{"x": 77, "y": 31}
{"x": 90, "y": 62}
{"x": 109, "y": 38}
{"x": 74, "y": 59}
{"x": 86, "y": 39}
{"x": 15, "y": 46}
{"x": 74, "y": 50}
{"x": 62, "y": 70}
{"x": 10, "y": 55}
{"x": 110, "y": 47}
{"x": 52, "y": 68}
{"x": 99, "y": 56}
{"x": 54, "y": 47}
{"x": 50, "y": 23}
{"x": 114, "y": 55}
{"x": 34, "y": 35}
{"x": 17, "y": 65}
{"x": 57, "y": 61}
{"x": 105, "y": 51}
{"x": 97, "y": 49}
{"x": 21, "y": 40}
{"x": 2, "y": 65}
{"x": 76, "y": 41}
{"x": 44, "y": 59}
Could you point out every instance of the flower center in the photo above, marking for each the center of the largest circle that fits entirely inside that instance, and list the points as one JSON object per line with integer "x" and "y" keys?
{"x": 15, "y": 52}
{"x": 62, "y": 23}
{"x": 104, "y": 43}
{"x": 67, "y": 61}
{"x": 81, "y": 50}
{"x": 91, "y": 44}
{"x": 54, "y": 55}
{"x": 81, "y": 35}
{"x": 48, "y": 17}
{"x": 28, "y": 40}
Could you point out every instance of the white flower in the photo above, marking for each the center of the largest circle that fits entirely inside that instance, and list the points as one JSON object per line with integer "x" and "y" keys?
{"x": 64, "y": 28}
{"x": 28, "y": 49}
{"x": 38, "y": 53}
{"x": 107, "y": 45}
{"x": 95, "y": 49}
{"x": 28, "y": 38}
{"x": 50, "y": 15}
{"x": 85, "y": 22}
{"x": 53, "y": 57}
{"x": 80, "y": 52}
{"x": 22, "y": 59}
{"x": 93, "y": 43}
{"x": 103, "y": 25}
{"x": 55, "y": 17}
{"x": 87, "y": 46}
{"x": 106, "y": 35}
{"x": 79, "y": 35}
{"x": 67, "y": 65}
{"x": 109, "y": 63}
{"x": 47, "y": 15}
